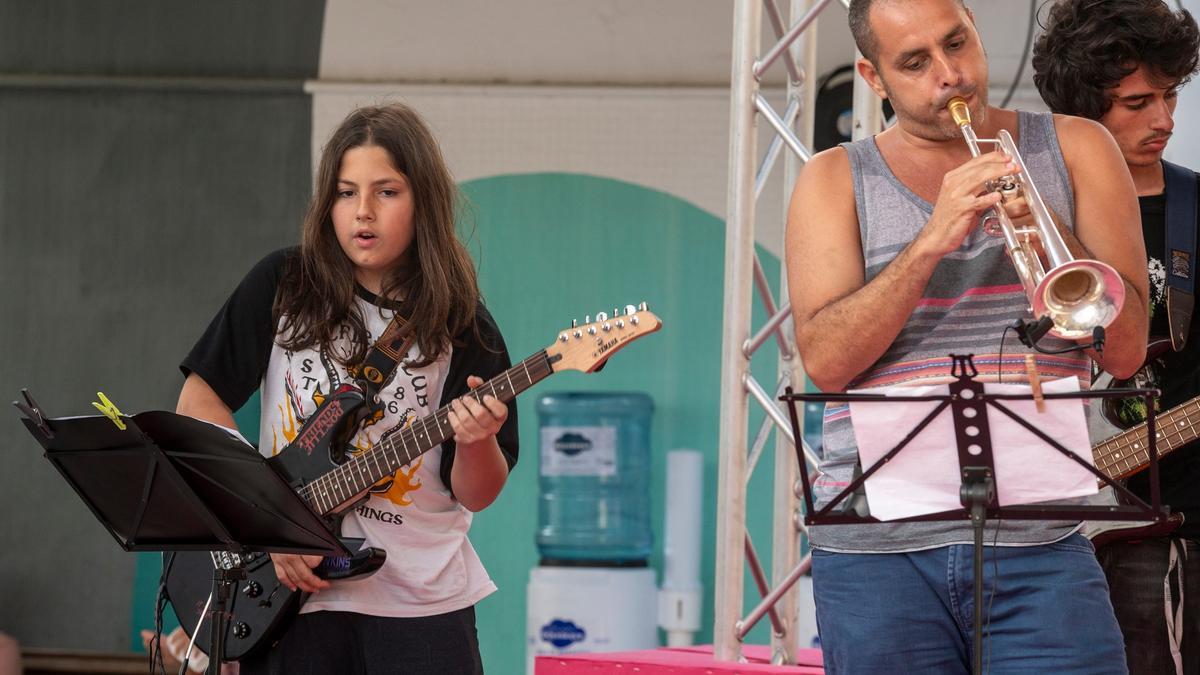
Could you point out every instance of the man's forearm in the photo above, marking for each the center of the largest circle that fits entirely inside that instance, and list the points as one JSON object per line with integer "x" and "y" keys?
{"x": 1125, "y": 337}
{"x": 845, "y": 337}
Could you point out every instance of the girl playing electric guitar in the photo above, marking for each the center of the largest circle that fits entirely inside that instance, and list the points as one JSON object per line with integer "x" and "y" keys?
{"x": 379, "y": 237}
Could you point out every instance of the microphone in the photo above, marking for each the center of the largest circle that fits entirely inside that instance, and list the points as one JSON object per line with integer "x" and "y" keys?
{"x": 1029, "y": 332}
{"x": 1098, "y": 339}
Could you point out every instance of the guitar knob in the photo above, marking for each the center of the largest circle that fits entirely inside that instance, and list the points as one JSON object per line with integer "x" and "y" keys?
{"x": 241, "y": 630}
{"x": 252, "y": 589}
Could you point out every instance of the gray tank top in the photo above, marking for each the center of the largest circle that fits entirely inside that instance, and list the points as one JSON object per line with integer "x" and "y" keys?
{"x": 973, "y": 294}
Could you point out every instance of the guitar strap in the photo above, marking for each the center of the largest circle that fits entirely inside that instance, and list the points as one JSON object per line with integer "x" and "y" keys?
{"x": 383, "y": 357}
{"x": 1180, "y": 260}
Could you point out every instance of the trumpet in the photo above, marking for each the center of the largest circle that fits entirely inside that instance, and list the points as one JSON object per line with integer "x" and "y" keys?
{"x": 1077, "y": 296}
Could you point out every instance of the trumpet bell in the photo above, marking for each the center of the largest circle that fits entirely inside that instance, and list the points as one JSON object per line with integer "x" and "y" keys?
{"x": 1078, "y": 296}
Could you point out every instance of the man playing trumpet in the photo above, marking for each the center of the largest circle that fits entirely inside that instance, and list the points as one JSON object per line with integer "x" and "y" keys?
{"x": 891, "y": 268}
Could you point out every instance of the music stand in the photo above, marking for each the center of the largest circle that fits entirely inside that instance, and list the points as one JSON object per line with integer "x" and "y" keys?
{"x": 167, "y": 482}
{"x": 977, "y": 468}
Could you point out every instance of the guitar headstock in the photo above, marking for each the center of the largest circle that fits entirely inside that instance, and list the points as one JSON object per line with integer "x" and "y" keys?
{"x": 585, "y": 347}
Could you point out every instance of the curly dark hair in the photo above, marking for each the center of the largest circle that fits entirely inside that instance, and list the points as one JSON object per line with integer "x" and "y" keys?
{"x": 1089, "y": 46}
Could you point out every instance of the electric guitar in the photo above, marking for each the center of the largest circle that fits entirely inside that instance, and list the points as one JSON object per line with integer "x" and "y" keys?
{"x": 318, "y": 467}
{"x": 1127, "y": 453}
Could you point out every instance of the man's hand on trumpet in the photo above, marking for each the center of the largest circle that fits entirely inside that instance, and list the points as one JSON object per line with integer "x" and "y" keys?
{"x": 961, "y": 200}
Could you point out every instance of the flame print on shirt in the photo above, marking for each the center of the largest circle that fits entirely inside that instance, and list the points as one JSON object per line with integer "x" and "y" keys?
{"x": 291, "y": 417}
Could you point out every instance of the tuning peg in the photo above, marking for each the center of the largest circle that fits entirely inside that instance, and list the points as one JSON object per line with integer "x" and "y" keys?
{"x": 574, "y": 323}
{"x": 616, "y": 312}
{"x": 601, "y": 317}
{"x": 587, "y": 319}
{"x": 642, "y": 307}
{"x": 630, "y": 309}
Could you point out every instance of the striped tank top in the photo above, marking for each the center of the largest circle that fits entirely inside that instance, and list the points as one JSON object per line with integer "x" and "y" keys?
{"x": 973, "y": 295}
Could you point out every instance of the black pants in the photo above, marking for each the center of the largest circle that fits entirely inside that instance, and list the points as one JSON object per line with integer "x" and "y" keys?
{"x": 1142, "y": 586}
{"x": 332, "y": 643}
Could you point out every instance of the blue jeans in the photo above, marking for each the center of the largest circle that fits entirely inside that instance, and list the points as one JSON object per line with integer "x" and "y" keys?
{"x": 1046, "y": 611}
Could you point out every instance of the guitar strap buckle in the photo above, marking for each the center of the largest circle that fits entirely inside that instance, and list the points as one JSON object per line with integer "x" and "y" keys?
{"x": 381, "y": 361}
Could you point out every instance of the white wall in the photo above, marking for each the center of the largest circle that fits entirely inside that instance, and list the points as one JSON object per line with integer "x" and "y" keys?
{"x": 1185, "y": 144}
{"x": 626, "y": 89}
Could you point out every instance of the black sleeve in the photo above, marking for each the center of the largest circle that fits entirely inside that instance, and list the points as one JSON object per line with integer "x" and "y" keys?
{"x": 486, "y": 361}
{"x": 232, "y": 354}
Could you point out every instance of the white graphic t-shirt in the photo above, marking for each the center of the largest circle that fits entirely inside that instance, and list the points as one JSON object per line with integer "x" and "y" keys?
{"x": 431, "y": 567}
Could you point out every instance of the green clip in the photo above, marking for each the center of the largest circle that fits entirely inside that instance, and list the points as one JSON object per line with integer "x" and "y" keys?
{"x": 109, "y": 410}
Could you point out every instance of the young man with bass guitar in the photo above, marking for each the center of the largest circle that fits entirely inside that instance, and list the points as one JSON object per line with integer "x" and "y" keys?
{"x": 1122, "y": 63}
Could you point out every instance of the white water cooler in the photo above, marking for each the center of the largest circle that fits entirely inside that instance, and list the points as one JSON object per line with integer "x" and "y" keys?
{"x": 589, "y": 609}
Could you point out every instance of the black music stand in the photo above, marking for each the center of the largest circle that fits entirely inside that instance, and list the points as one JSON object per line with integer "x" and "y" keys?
{"x": 977, "y": 468}
{"x": 167, "y": 482}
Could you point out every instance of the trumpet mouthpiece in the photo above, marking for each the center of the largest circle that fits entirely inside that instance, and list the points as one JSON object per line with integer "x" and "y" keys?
{"x": 958, "y": 110}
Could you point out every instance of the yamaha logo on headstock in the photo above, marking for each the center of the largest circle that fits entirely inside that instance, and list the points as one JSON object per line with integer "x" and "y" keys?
{"x": 603, "y": 346}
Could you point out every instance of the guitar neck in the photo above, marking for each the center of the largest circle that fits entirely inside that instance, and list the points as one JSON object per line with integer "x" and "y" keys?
{"x": 1128, "y": 453}
{"x": 350, "y": 479}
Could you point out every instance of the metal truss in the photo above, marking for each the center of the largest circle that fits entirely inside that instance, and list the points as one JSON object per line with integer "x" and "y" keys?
{"x": 744, "y": 278}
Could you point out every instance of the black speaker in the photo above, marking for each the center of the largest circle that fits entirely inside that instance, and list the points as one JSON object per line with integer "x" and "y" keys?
{"x": 833, "y": 120}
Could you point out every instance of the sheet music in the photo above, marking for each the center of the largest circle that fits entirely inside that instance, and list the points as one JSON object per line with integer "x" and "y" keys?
{"x": 924, "y": 476}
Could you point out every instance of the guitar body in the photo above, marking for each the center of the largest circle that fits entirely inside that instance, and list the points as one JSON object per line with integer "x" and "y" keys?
{"x": 262, "y": 607}
{"x": 1105, "y": 533}
{"x": 1123, "y": 413}
{"x": 257, "y": 612}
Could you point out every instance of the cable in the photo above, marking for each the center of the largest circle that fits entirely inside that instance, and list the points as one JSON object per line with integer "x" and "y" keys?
{"x": 1012, "y": 89}
{"x": 187, "y": 655}
{"x": 1000, "y": 358}
{"x": 987, "y": 623}
{"x": 160, "y": 604}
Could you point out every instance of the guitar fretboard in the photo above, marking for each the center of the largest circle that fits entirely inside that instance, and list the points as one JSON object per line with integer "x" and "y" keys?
{"x": 1127, "y": 453}
{"x": 343, "y": 484}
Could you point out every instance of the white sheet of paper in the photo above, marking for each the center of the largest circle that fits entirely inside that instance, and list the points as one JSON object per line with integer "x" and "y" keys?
{"x": 924, "y": 476}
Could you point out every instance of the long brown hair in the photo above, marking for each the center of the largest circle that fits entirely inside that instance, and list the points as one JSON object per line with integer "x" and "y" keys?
{"x": 437, "y": 279}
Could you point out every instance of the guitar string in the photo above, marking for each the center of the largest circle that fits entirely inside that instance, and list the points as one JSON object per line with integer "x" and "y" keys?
{"x": 319, "y": 491}
{"x": 1113, "y": 450}
{"x": 1171, "y": 421}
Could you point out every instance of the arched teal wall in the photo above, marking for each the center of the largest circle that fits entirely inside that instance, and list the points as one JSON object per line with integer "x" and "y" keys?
{"x": 553, "y": 247}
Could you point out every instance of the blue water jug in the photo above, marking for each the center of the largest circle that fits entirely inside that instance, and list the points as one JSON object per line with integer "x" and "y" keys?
{"x": 594, "y": 479}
